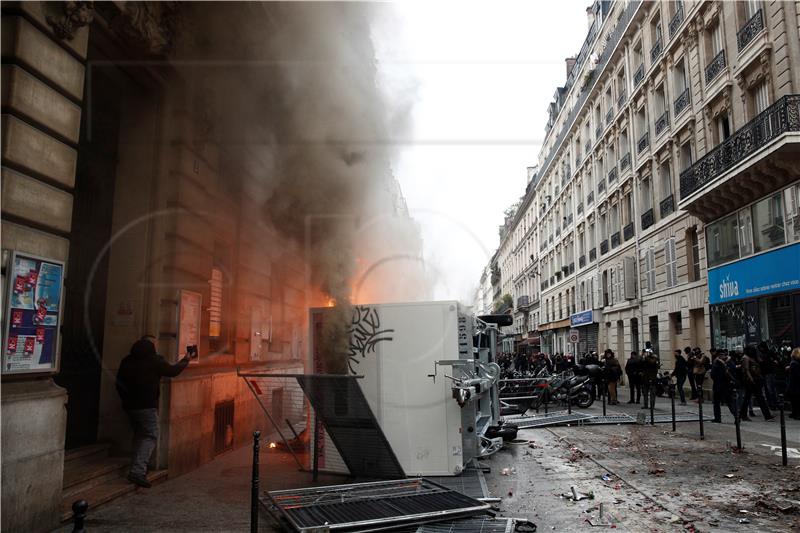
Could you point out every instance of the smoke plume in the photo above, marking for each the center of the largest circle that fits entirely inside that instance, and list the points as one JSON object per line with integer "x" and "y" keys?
{"x": 293, "y": 85}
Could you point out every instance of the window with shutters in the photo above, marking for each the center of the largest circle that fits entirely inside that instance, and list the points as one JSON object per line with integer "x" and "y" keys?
{"x": 611, "y": 286}
{"x": 670, "y": 262}
{"x": 605, "y": 288}
{"x": 650, "y": 270}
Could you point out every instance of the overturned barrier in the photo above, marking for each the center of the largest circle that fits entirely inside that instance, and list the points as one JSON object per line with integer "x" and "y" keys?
{"x": 565, "y": 418}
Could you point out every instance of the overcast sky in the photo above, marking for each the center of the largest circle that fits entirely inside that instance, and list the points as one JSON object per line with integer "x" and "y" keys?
{"x": 480, "y": 77}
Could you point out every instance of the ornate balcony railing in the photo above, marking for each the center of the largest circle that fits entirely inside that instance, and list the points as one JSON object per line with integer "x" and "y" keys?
{"x": 656, "y": 50}
{"x": 580, "y": 208}
{"x": 627, "y": 231}
{"x": 604, "y": 247}
{"x": 638, "y": 76}
{"x": 590, "y": 198}
{"x": 781, "y": 117}
{"x": 582, "y": 261}
{"x": 667, "y": 205}
{"x": 682, "y": 102}
{"x": 715, "y": 67}
{"x": 676, "y": 20}
{"x": 751, "y": 28}
{"x": 523, "y": 301}
{"x": 625, "y": 161}
{"x": 623, "y": 96}
{"x": 615, "y": 240}
{"x": 662, "y": 122}
{"x": 609, "y": 115}
{"x": 644, "y": 142}
{"x": 612, "y": 174}
{"x": 648, "y": 219}
{"x": 592, "y": 254}
{"x": 601, "y": 186}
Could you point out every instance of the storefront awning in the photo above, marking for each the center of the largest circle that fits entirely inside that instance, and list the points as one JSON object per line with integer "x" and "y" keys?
{"x": 554, "y": 325}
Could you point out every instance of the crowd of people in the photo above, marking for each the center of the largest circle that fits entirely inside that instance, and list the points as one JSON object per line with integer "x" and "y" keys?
{"x": 738, "y": 378}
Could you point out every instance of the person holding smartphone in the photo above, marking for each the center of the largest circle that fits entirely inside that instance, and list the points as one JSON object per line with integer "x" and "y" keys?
{"x": 138, "y": 384}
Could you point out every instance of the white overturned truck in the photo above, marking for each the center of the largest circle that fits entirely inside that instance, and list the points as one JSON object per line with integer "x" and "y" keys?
{"x": 429, "y": 376}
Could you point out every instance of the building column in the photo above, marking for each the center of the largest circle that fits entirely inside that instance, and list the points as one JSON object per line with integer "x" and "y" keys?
{"x": 44, "y": 49}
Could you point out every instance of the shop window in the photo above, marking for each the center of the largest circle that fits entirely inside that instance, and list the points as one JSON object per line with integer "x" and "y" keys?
{"x": 768, "y": 231}
{"x": 776, "y": 318}
{"x": 721, "y": 241}
{"x": 745, "y": 232}
{"x": 791, "y": 204}
{"x": 728, "y": 326}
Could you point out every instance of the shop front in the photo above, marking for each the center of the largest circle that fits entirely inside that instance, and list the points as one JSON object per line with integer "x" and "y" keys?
{"x": 588, "y": 330}
{"x": 756, "y": 299}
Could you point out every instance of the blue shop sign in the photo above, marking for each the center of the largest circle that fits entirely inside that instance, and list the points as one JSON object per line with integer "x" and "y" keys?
{"x": 581, "y": 319}
{"x": 768, "y": 273}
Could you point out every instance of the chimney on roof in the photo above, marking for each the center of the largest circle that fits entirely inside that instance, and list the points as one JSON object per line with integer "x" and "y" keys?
{"x": 570, "y": 63}
{"x": 590, "y": 15}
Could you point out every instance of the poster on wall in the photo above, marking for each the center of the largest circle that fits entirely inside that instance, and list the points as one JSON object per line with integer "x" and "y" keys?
{"x": 33, "y": 314}
{"x": 190, "y": 306}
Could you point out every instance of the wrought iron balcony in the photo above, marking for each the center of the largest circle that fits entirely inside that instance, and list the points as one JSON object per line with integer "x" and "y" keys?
{"x": 609, "y": 115}
{"x": 638, "y": 76}
{"x": 592, "y": 254}
{"x": 612, "y": 174}
{"x": 580, "y": 208}
{"x": 523, "y": 301}
{"x": 648, "y": 219}
{"x": 715, "y": 67}
{"x": 751, "y": 28}
{"x": 604, "y": 247}
{"x": 590, "y": 198}
{"x": 655, "y": 52}
{"x": 676, "y": 20}
{"x": 582, "y": 261}
{"x": 627, "y": 231}
{"x": 621, "y": 99}
{"x": 781, "y": 117}
{"x": 615, "y": 240}
{"x": 601, "y": 186}
{"x": 662, "y": 122}
{"x": 644, "y": 142}
{"x": 625, "y": 161}
{"x": 682, "y": 102}
{"x": 667, "y": 205}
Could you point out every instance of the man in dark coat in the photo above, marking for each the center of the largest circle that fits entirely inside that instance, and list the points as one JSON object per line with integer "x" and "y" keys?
{"x": 633, "y": 369}
{"x": 722, "y": 386}
{"x": 138, "y": 383}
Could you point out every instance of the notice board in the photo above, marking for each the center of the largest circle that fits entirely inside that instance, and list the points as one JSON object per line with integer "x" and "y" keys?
{"x": 190, "y": 306}
{"x": 32, "y": 314}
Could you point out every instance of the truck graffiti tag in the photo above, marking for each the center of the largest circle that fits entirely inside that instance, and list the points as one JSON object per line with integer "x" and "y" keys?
{"x": 365, "y": 333}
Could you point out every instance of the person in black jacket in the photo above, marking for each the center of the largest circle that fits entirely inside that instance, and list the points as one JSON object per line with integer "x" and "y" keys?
{"x": 680, "y": 373}
{"x": 722, "y": 386}
{"x": 138, "y": 383}
{"x": 634, "y": 372}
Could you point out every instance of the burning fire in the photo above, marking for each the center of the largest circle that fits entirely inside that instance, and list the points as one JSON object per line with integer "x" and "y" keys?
{"x": 273, "y": 445}
{"x": 330, "y": 303}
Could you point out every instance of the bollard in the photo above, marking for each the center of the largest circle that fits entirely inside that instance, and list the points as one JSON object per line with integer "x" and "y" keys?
{"x": 700, "y": 408}
{"x": 784, "y": 457}
{"x": 604, "y": 403}
{"x": 737, "y": 420}
{"x": 672, "y": 401}
{"x": 79, "y": 509}
{"x": 254, "y": 486}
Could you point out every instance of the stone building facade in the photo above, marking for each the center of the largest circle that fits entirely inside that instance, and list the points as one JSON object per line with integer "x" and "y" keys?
{"x": 655, "y": 89}
{"x": 123, "y": 157}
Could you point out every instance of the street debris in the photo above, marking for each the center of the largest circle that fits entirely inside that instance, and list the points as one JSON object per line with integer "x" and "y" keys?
{"x": 576, "y": 496}
{"x": 508, "y": 471}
